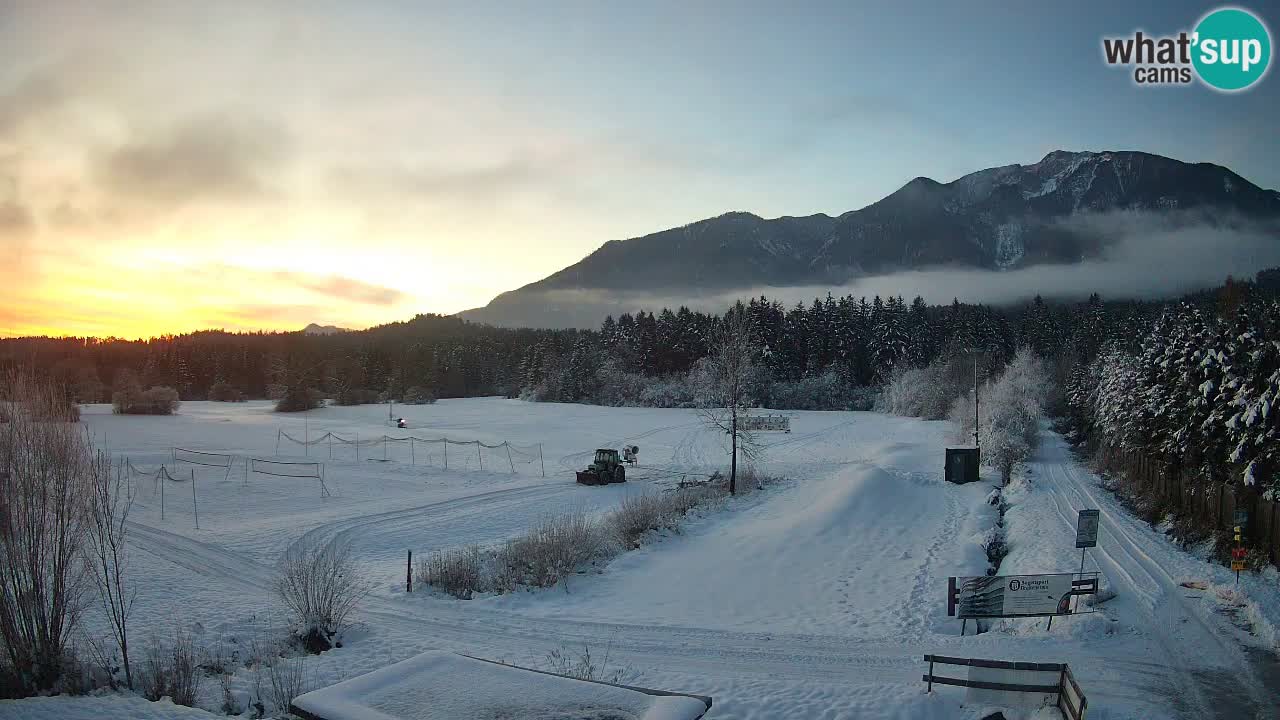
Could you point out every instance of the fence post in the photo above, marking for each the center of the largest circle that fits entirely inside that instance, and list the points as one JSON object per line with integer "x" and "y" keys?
{"x": 446, "y": 453}
{"x": 384, "y": 447}
{"x": 278, "y": 431}
{"x": 509, "y": 460}
{"x": 357, "y": 446}
{"x": 330, "y": 446}
{"x": 540, "y": 462}
{"x": 408, "y": 574}
{"x": 479, "y": 456}
{"x": 413, "y": 458}
{"x": 195, "y": 507}
{"x": 930, "y": 673}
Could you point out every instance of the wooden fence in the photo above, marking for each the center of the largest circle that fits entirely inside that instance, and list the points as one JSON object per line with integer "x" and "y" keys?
{"x": 1213, "y": 504}
{"x": 1070, "y": 699}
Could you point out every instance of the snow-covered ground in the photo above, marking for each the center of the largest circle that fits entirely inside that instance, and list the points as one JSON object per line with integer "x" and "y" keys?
{"x": 815, "y": 598}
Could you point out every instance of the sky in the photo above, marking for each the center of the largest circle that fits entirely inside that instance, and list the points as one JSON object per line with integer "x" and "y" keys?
{"x": 173, "y": 166}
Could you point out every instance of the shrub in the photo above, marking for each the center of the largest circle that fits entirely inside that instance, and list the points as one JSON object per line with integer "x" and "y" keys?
{"x": 47, "y": 471}
{"x": 320, "y": 585}
{"x": 555, "y": 548}
{"x": 298, "y": 399}
{"x": 225, "y": 392}
{"x": 638, "y": 514}
{"x": 458, "y": 572}
{"x": 418, "y": 395}
{"x": 172, "y": 670}
{"x": 132, "y": 400}
{"x": 288, "y": 680}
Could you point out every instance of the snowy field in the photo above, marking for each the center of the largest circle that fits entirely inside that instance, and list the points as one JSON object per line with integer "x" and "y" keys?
{"x": 815, "y": 598}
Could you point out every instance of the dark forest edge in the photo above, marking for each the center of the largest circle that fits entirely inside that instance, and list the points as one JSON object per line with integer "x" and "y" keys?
{"x": 1131, "y": 371}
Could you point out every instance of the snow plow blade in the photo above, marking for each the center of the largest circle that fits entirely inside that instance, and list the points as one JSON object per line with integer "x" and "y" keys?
{"x": 588, "y": 478}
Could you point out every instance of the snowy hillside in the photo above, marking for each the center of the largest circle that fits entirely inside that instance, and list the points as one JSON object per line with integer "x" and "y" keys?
{"x": 814, "y": 598}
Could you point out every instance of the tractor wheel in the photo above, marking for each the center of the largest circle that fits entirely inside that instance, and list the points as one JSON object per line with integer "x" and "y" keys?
{"x": 620, "y": 474}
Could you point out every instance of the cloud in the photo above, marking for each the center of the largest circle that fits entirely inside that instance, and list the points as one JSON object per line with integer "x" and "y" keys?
{"x": 215, "y": 157}
{"x": 343, "y": 288}
{"x": 1145, "y": 256}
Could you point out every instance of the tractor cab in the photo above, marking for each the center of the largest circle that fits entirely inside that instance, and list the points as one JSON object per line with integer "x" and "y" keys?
{"x": 605, "y": 469}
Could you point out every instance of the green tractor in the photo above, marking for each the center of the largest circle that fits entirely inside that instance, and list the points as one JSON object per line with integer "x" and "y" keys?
{"x": 605, "y": 469}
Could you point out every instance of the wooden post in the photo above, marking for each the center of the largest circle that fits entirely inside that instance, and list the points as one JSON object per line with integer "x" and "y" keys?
{"x": 540, "y": 462}
{"x": 161, "y": 481}
{"x": 195, "y": 507}
{"x": 408, "y": 574}
{"x": 930, "y": 674}
{"x": 306, "y": 437}
{"x": 509, "y": 460}
{"x": 479, "y": 456}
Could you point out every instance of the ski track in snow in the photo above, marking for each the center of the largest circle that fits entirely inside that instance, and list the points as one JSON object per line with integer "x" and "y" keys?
{"x": 863, "y": 660}
{"x": 1180, "y": 628}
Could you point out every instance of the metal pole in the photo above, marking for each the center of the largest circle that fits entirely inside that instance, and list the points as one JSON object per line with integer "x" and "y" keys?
{"x": 478, "y": 456}
{"x": 330, "y": 446}
{"x": 540, "y": 462}
{"x": 278, "y": 431}
{"x": 384, "y": 448}
{"x": 975, "y": 398}
{"x": 162, "y": 484}
{"x": 306, "y": 437}
{"x": 963, "y": 623}
{"x": 195, "y": 507}
{"x": 408, "y": 574}
{"x": 1076, "y": 605}
{"x": 357, "y": 446}
{"x": 446, "y": 453}
{"x": 413, "y": 459}
{"x": 513, "y": 465}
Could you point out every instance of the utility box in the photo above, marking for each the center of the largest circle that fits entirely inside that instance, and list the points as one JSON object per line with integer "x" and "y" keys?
{"x": 962, "y": 465}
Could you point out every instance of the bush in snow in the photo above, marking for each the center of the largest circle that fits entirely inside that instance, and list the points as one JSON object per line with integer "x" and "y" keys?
{"x": 172, "y": 669}
{"x": 47, "y": 474}
{"x": 459, "y": 572}
{"x": 225, "y": 392}
{"x": 639, "y": 514}
{"x": 554, "y": 549}
{"x": 287, "y": 680}
{"x": 320, "y": 584}
{"x": 132, "y": 400}
{"x": 418, "y": 395}
{"x": 298, "y": 399}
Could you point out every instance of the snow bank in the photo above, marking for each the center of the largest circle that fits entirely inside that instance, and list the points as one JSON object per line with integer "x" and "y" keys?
{"x": 445, "y": 686}
{"x": 103, "y": 707}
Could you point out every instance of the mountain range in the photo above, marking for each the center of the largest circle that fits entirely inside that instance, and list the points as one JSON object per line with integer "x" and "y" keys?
{"x": 998, "y": 219}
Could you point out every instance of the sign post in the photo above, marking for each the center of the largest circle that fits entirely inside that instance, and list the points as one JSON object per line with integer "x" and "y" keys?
{"x": 1238, "y": 552}
{"x": 1086, "y": 536}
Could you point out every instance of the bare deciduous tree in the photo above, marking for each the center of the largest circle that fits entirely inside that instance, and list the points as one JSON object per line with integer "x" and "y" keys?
{"x": 46, "y": 471}
{"x": 107, "y": 555}
{"x": 727, "y": 378}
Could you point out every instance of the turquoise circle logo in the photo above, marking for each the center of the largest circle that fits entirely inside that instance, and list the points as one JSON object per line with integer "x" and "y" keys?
{"x": 1232, "y": 49}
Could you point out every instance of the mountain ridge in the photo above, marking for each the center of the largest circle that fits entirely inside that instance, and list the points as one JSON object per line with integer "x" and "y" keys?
{"x": 999, "y": 218}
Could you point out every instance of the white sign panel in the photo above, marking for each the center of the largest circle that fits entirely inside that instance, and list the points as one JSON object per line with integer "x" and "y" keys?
{"x": 778, "y": 423}
{"x": 1087, "y": 529}
{"x": 1014, "y": 596}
